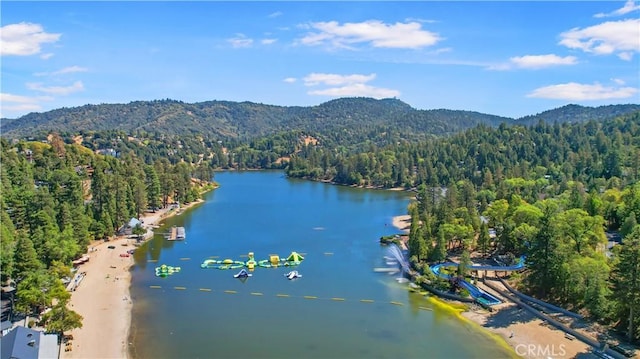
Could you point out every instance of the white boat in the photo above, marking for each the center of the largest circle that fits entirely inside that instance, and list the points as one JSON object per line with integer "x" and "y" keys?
{"x": 293, "y": 275}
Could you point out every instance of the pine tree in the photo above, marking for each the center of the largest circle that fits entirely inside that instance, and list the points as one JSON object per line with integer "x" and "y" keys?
{"x": 439, "y": 252}
{"x": 465, "y": 263}
{"x": 545, "y": 259}
{"x": 626, "y": 282}
{"x": 484, "y": 240}
{"x": 153, "y": 187}
{"x": 25, "y": 257}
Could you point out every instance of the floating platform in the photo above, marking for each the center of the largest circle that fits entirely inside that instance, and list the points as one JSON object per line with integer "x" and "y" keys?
{"x": 177, "y": 234}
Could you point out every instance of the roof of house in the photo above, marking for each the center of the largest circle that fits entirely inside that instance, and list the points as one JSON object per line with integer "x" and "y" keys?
{"x": 133, "y": 222}
{"x": 21, "y": 343}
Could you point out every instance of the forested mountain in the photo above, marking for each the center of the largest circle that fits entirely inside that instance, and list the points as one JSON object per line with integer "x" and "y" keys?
{"x": 576, "y": 113}
{"x": 565, "y": 152}
{"x": 342, "y": 121}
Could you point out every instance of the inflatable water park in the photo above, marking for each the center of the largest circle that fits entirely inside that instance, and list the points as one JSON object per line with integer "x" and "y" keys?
{"x": 165, "y": 270}
{"x": 293, "y": 275}
{"x": 251, "y": 263}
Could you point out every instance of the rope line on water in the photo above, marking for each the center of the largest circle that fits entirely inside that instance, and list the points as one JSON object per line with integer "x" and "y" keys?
{"x": 284, "y": 295}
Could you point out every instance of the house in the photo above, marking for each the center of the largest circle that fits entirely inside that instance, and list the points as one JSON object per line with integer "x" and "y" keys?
{"x": 25, "y": 343}
{"x": 127, "y": 229}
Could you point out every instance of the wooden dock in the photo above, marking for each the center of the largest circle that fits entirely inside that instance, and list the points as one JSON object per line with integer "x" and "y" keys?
{"x": 176, "y": 234}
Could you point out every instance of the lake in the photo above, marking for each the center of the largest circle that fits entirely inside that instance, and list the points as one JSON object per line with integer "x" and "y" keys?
{"x": 340, "y": 308}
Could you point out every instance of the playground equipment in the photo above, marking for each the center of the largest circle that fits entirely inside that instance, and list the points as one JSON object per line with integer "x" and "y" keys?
{"x": 274, "y": 260}
{"x": 165, "y": 270}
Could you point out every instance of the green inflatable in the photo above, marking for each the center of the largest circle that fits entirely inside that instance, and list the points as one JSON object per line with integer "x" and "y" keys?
{"x": 165, "y": 270}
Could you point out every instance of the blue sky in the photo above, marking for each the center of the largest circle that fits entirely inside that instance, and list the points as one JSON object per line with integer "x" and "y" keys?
{"x": 507, "y": 58}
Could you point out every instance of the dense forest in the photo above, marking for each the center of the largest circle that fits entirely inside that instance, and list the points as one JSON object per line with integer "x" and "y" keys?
{"x": 57, "y": 198}
{"x": 551, "y": 185}
{"x": 550, "y": 193}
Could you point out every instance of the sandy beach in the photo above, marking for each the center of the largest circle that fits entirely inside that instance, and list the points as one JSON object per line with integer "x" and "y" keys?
{"x": 402, "y": 222}
{"x": 530, "y": 337}
{"x": 102, "y": 296}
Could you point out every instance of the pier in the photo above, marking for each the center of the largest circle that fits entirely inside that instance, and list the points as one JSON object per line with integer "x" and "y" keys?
{"x": 176, "y": 234}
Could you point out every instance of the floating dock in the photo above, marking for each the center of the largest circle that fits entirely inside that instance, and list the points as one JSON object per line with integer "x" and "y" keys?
{"x": 177, "y": 234}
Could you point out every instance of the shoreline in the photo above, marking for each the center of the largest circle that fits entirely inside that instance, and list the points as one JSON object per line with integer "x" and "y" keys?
{"x": 103, "y": 298}
{"x": 510, "y": 326}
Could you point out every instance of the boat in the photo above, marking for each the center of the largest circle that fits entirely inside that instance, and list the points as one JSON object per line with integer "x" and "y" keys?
{"x": 293, "y": 275}
{"x": 242, "y": 274}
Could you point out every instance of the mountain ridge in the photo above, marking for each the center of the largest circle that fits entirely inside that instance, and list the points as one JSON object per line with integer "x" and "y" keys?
{"x": 246, "y": 120}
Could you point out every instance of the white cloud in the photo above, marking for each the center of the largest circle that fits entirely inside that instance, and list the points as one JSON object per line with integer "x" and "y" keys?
{"x": 542, "y": 61}
{"x": 314, "y": 79}
{"x": 56, "y": 90}
{"x": 626, "y": 56}
{"x": 618, "y": 81}
{"x": 70, "y": 69}
{"x": 620, "y": 37}
{"x": 290, "y": 80}
{"x": 573, "y": 91}
{"x": 240, "y": 40}
{"x": 347, "y": 86}
{"x": 46, "y": 56}
{"x": 374, "y": 32}
{"x": 10, "y": 103}
{"x": 24, "y": 39}
{"x": 275, "y": 14}
{"x": 628, "y": 7}
{"x": 66, "y": 70}
{"x": 356, "y": 90}
{"x": 424, "y": 21}
{"x": 268, "y": 41}
{"x": 7, "y": 97}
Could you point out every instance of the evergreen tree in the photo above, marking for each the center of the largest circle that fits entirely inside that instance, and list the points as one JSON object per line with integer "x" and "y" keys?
{"x": 484, "y": 240}
{"x": 153, "y": 187}
{"x": 25, "y": 257}
{"x": 439, "y": 252}
{"x": 465, "y": 263}
{"x": 626, "y": 282}
{"x": 545, "y": 259}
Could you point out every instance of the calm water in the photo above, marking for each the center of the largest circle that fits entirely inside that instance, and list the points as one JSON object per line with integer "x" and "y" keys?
{"x": 207, "y": 313}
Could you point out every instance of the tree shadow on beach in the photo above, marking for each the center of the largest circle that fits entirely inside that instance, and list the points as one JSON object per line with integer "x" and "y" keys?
{"x": 506, "y": 316}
